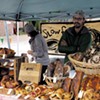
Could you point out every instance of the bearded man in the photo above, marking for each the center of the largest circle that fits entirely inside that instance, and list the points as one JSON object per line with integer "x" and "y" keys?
{"x": 76, "y": 38}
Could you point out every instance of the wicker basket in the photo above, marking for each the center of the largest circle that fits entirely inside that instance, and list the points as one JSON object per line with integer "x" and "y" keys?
{"x": 87, "y": 68}
{"x": 51, "y": 81}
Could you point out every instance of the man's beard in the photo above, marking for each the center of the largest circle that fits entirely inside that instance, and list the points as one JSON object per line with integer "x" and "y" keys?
{"x": 77, "y": 25}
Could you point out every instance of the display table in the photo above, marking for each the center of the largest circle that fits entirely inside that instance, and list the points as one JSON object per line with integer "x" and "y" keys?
{"x": 5, "y": 97}
{"x": 13, "y": 97}
{"x": 13, "y": 65}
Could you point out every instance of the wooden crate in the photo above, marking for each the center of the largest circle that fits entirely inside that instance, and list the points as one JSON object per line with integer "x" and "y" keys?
{"x": 17, "y": 64}
{"x": 14, "y": 69}
{"x": 30, "y": 72}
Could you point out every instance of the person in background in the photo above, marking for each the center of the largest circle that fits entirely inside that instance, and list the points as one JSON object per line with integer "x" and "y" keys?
{"x": 76, "y": 38}
{"x": 39, "y": 49}
{"x": 15, "y": 28}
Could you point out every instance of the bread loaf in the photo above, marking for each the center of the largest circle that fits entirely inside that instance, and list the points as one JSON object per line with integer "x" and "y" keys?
{"x": 76, "y": 83}
{"x": 59, "y": 69}
{"x": 67, "y": 84}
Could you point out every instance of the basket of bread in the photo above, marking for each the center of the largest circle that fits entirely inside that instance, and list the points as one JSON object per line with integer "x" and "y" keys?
{"x": 6, "y": 53}
{"x": 56, "y": 73}
{"x": 90, "y": 87}
{"x": 88, "y": 62}
{"x": 83, "y": 87}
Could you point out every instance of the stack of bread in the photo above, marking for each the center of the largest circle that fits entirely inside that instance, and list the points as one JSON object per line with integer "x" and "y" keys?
{"x": 83, "y": 87}
{"x": 8, "y": 82}
{"x": 91, "y": 87}
{"x": 91, "y": 56}
{"x": 87, "y": 85}
{"x": 56, "y": 73}
{"x": 7, "y": 52}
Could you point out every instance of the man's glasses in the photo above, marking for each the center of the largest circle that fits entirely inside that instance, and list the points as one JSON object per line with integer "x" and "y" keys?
{"x": 77, "y": 18}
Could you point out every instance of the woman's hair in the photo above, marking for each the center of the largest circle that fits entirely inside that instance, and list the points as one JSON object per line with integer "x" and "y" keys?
{"x": 30, "y": 30}
{"x": 33, "y": 33}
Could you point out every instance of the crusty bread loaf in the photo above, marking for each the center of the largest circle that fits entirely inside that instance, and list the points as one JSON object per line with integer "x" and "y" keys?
{"x": 76, "y": 83}
{"x": 67, "y": 84}
{"x": 58, "y": 72}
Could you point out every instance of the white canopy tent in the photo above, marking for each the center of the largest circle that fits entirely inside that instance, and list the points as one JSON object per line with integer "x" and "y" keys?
{"x": 46, "y": 9}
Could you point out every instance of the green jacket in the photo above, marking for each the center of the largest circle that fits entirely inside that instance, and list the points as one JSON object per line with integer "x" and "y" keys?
{"x": 71, "y": 42}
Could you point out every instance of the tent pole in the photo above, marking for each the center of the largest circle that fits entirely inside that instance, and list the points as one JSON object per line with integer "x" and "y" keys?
{"x": 7, "y": 34}
{"x": 17, "y": 38}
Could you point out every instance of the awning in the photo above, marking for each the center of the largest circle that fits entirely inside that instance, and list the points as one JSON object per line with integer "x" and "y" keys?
{"x": 47, "y": 9}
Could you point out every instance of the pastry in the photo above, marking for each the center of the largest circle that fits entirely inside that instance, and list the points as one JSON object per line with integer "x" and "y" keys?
{"x": 67, "y": 96}
{"x": 60, "y": 90}
{"x": 46, "y": 97}
{"x": 67, "y": 84}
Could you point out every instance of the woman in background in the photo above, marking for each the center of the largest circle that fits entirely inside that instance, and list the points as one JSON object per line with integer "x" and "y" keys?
{"x": 39, "y": 49}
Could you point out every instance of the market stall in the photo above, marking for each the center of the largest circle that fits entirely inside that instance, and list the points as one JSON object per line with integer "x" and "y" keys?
{"x": 62, "y": 82}
{"x": 83, "y": 83}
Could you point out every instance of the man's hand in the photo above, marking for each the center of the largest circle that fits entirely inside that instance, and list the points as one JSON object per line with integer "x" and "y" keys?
{"x": 30, "y": 52}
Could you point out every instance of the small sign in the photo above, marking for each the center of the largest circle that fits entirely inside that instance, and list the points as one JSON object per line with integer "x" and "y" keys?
{"x": 19, "y": 95}
{"x": 4, "y": 56}
{"x": 80, "y": 94}
{"x": 26, "y": 97}
{"x": 37, "y": 98}
{"x": 72, "y": 74}
{"x": 9, "y": 91}
{"x": 5, "y": 64}
{"x": 54, "y": 79}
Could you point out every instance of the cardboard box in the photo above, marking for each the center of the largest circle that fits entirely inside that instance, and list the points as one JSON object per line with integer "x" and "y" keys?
{"x": 30, "y": 72}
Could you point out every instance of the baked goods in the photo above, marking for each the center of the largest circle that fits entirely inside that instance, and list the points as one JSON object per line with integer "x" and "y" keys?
{"x": 91, "y": 94}
{"x": 91, "y": 81}
{"x": 4, "y": 80}
{"x": 2, "y": 51}
{"x": 58, "y": 69}
{"x": 21, "y": 91}
{"x": 60, "y": 90}
{"x": 76, "y": 83}
{"x": 46, "y": 97}
{"x": 8, "y": 52}
{"x": 67, "y": 84}
{"x": 34, "y": 85}
{"x": 11, "y": 72}
{"x": 66, "y": 70}
{"x": 56, "y": 73}
{"x": 67, "y": 96}
{"x": 57, "y": 94}
{"x": 28, "y": 88}
{"x": 60, "y": 94}
{"x": 11, "y": 84}
{"x": 50, "y": 69}
{"x": 8, "y": 82}
{"x": 78, "y": 56}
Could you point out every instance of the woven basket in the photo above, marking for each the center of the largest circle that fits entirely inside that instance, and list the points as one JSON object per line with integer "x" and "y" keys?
{"x": 50, "y": 81}
{"x": 87, "y": 68}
